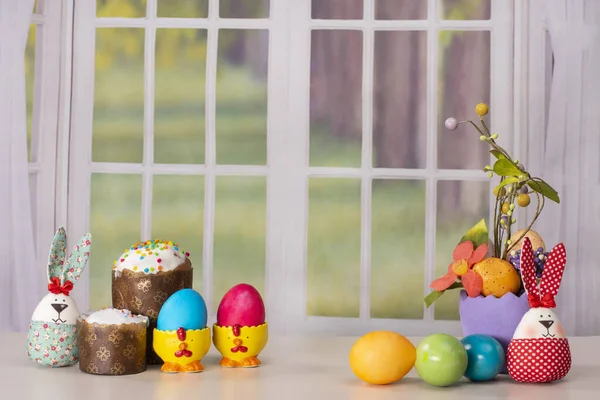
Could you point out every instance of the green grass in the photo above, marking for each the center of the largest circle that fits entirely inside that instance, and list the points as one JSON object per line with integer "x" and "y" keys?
{"x": 398, "y": 217}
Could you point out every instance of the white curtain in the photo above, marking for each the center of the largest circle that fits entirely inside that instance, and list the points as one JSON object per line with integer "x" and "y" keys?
{"x": 569, "y": 157}
{"x": 20, "y": 286}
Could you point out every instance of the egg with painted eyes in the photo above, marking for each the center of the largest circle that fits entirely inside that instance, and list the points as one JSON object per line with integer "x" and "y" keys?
{"x": 184, "y": 309}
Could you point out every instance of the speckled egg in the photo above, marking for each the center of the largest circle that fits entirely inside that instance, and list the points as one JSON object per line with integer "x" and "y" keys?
{"x": 536, "y": 240}
{"x": 184, "y": 309}
{"x": 499, "y": 277}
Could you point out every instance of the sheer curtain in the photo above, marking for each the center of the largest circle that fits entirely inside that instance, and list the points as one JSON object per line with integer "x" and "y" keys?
{"x": 569, "y": 158}
{"x": 19, "y": 290}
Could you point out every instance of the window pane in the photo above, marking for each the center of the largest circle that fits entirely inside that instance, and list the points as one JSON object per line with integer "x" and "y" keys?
{"x": 178, "y": 215}
{"x": 121, "y": 8}
{"x": 336, "y": 98}
{"x": 183, "y": 8}
{"x": 333, "y": 270}
{"x": 400, "y": 9}
{"x": 464, "y": 81}
{"x": 240, "y": 233}
{"x": 461, "y": 205}
{"x": 337, "y": 9}
{"x": 115, "y": 220}
{"x": 29, "y": 87}
{"x": 460, "y": 9}
{"x": 399, "y": 126}
{"x": 119, "y": 96}
{"x": 179, "y": 96}
{"x": 244, "y": 9}
{"x": 241, "y": 120}
{"x": 398, "y": 249}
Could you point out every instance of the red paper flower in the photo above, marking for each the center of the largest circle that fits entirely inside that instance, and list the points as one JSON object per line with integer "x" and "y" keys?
{"x": 464, "y": 257}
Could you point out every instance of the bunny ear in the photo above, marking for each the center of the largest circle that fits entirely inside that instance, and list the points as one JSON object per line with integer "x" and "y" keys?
{"x": 78, "y": 259}
{"x": 56, "y": 258}
{"x": 553, "y": 270}
{"x": 528, "y": 269}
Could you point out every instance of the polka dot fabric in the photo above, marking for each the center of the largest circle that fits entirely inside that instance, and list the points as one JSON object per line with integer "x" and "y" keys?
{"x": 528, "y": 269}
{"x": 538, "y": 360}
{"x": 553, "y": 271}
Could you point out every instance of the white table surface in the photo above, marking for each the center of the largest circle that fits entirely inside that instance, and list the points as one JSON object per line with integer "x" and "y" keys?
{"x": 293, "y": 368}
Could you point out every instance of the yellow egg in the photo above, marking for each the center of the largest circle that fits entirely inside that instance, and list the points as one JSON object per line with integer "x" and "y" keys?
{"x": 382, "y": 357}
{"x": 536, "y": 240}
{"x": 499, "y": 277}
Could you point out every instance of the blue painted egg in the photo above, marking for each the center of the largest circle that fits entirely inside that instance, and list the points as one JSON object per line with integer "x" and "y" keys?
{"x": 184, "y": 309}
{"x": 486, "y": 357}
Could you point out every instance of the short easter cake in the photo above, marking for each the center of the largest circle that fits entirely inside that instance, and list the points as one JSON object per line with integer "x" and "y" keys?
{"x": 144, "y": 277}
{"x": 112, "y": 342}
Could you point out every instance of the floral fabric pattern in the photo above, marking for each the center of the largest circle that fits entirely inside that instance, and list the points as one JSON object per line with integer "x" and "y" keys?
{"x": 52, "y": 344}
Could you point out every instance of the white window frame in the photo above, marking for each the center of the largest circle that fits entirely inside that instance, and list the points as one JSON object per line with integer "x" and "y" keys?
{"x": 44, "y": 125}
{"x": 287, "y": 168}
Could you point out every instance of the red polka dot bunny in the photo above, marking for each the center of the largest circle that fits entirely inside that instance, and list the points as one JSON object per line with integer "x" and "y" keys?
{"x": 539, "y": 351}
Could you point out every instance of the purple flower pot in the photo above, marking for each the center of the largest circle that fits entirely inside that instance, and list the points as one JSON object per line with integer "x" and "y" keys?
{"x": 493, "y": 316}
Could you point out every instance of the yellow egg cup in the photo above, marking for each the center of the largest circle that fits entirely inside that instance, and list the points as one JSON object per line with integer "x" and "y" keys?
{"x": 240, "y": 351}
{"x": 167, "y": 343}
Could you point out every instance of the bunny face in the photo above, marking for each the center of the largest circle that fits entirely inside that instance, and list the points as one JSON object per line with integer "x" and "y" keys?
{"x": 56, "y": 308}
{"x": 539, "y": 323}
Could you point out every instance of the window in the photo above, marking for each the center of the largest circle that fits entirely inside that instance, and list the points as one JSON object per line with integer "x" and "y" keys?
{"x": 294, "y": 146}
{"x": 42, "y": 58}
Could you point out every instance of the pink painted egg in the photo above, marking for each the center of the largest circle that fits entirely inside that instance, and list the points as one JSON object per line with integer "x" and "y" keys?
{"x": 242, "y": 305}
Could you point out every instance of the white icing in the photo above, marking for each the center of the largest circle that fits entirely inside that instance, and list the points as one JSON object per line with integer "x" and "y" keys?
{"x": 113, "y": 316}
{"x": 150, "y": 257}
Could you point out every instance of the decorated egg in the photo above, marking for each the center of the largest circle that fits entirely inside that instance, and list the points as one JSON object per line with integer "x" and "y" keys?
{"x": 382, "y": 357}
{"x": 536, "y": 240}
{"x": 499, "y": 277}
{"x": 441, "y": 360}
{"x": 242, "y": 305}
{"x": 184, "y": 309}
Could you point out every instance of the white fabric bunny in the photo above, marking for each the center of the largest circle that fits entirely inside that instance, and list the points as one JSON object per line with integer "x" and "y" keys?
{"x": 52, "y": 337}
{"x": 539, "y": 350}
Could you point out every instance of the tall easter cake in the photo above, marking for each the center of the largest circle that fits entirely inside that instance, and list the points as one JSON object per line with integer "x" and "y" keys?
{"x": 144, "y": 277}
{"x": 112, "y": 342}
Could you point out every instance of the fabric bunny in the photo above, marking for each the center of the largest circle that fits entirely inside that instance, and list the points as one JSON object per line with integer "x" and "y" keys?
{"x": 52, "y": 337}
{"x": 539, "y": 351}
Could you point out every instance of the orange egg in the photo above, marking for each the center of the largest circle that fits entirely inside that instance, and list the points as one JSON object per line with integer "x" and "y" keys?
{"x": 499, "y": 277}
{"x": 382, "y": 357}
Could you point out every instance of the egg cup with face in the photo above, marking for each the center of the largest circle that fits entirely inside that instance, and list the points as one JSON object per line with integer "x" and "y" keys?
{"x": 240, "y": 345}
{"x": 182, "y": 350}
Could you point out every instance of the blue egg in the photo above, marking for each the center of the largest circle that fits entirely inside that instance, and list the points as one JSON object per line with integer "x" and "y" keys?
{"x": 486, "y": 357}
{"x": 184, "y": 309}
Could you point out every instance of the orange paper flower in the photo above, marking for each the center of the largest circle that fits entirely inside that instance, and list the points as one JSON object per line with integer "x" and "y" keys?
{"x": 464, "y": 257}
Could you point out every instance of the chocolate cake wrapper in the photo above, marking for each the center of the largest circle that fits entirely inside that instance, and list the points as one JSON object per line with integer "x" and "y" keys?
{"x": 145, "y": 294}
{"x": 112, "y": 349}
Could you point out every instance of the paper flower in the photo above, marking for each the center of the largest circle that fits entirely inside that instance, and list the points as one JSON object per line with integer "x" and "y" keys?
{"x": 465, "y": 256}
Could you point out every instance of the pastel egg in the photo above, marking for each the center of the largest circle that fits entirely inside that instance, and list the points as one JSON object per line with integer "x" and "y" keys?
{"x": 242, "y": 305}
{"x": 184, "y": 309}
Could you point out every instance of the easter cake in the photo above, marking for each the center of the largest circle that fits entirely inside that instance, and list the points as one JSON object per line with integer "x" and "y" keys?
{"x": 144, "y": 277}
{"x": 112, "y": 342}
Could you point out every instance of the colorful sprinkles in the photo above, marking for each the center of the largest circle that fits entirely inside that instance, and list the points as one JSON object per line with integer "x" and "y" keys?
{"x": 151, "y": 256}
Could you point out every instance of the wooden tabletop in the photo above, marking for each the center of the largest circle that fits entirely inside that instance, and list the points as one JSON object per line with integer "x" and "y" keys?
{"x": 293, "y": 368}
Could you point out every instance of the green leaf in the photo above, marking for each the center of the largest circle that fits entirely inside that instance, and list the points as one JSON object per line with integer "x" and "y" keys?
{"x": 544, "y": 189}
{"x": 478, "y": 234}
{"x": 497, "y": 154}
{"x": 504, "y": 167}
{"x": 433, "y": 296}
{"x": 508, "y": 181}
